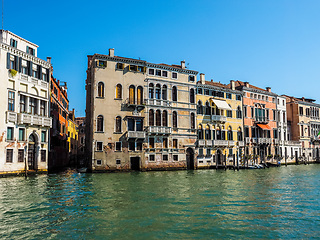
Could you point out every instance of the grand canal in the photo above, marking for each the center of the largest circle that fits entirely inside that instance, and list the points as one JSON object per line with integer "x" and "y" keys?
{"x": 275, "y": 203}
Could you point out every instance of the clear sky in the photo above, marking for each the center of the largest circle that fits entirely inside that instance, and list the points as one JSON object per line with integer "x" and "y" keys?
{"x": 265, "y": 42}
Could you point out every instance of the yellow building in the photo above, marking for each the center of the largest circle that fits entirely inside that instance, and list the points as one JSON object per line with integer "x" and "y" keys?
{"x": 72, "y": 138}
{"x": 220, "y": 125}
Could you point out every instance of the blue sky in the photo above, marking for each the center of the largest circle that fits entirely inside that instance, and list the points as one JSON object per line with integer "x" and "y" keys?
{"x": 265, "y": 42}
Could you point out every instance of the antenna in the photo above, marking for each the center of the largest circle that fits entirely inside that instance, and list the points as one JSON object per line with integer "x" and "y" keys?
{"x": 2, "y": 14}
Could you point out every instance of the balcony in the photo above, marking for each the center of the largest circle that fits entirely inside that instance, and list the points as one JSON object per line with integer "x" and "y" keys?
{"x": 131, "y": 103}
{"x": 247, "y": 140}
{"x": 159, "y": 130}
{"x": 158, "y": 102}
{"x": 209, "y": 143}
{"x": 218, "y": 118}
{"x": 24, "y": 118}
{"x": 241, "y": 143}
{"x": 137, "y": 134}
{"x": 264, "y": 140}
{"x": 201, "y": 143}
{"x": 11, "y": 117}
{"x": 255, "y": 140}
{"x": 32, "y": 80}
{"x": 294, "y": 143}
{"x": 263, "y": 120}
{"x": 223, "y": 143}
{"x": 275, "y": 141}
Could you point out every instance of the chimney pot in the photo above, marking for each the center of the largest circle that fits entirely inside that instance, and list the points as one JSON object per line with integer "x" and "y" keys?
{"x": 202, "y": 78}
{"x": 233, "y": 84}
{"x": 246, "y": 84}
{"x": 268, "y": 89}
{"x": 183, "y": 64}
{"x": 111, "y": 52}
{"x": 49, "y": 60}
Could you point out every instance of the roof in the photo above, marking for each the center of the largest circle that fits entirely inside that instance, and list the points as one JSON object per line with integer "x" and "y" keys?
{"x": 216, "y": 84}
{"x": 240, "y": 84}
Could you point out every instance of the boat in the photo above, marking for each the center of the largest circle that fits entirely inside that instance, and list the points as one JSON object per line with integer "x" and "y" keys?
{"x": 82, "y": 170}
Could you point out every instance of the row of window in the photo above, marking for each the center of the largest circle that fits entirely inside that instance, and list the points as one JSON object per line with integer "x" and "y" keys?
{"x": 262, "y": 97}
{"x": 218, "y": 134}
{"x": 21, "y": 155}
{"x": 208, "y": 110}
{"x": 219, "y": 94}
{"x": 165, "y": 157}
{"x": 22, "y": 134}
{"x": 313, "y": 112}
{"x": 27, "y": 104}
{"x": 29, "y": 50}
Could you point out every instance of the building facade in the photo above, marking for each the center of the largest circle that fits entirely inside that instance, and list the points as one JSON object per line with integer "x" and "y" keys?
{"x": 25, "y": 93}
{"x": 219, "y": 125}
{"x": 80, "y": 121}
{"x": 142, "y": 120}
{"x": 72, "y": 139}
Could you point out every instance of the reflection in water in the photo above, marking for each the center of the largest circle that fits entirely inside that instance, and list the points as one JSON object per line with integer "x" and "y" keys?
{"x": 266, "y": 204}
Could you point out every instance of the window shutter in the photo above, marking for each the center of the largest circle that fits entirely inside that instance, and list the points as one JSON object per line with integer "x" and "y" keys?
{"x": 48, "y": 77}
{"x": 20, "y": 64}
{"x": 27, "y": 49}
{"x": 40, "y": 72}
{"x": 8, "y": 60}
{"x": 16, "y": 63}
{"x": 29, "y": 68}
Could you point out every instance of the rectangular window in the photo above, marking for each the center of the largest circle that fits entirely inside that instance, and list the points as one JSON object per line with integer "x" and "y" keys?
{"x": 21, "y": 134}
{"x": 175, "y": 143}
{"x": 118, "y": 146}
{"x": 253, "y": 132}
{"x": 42, "y": 108}
{"x": 252, "y": 112}
{"x": 208, "y": 152}
{"x": 230, "y": 152}
{"x": 151, "y": 71}
{"x": 158, "y": 72}
{"x": 199, "y": 90}
{"x": 102, "y": 64}
{"x": 99, "y": 162}
{"x": 151, "y": 142}
{"x": 118, "y": 161}
{"x": 246, "y": 132}
{"x": 165, "y": 142}
{"x": 43, "y": 155}
{"x": 164, "y": 74}
{"x": 120, "y": 66}
{"x": 191, "y": 78}
{"x": 11, "y": 101}
{"x": 21, "y": 155}
{"x": 165, "y": 157}
{"x": 9, "y": 157}
{"x": 174, "y": 75}
{"x": 10, "y": 133}
{"x": 238, "y": 97}
{"x": 274, "y": 115}
{"x": 151, "y": 158}
{"x": 99, "y": 146}
{"x": 44, "y": 77}
{"x": 245, "y": 111}
{"x": 301, "y": 111}
{"x": 13, "y": 43}
{"x": 175, "y": 158}
{"x": 30, "y": 50}
{"x": 206, "y": 92}
{"x": 132, "y": 145}
{"x": 229, "y": 113}
{"x": 22, "y": 103}
{"x": 228, "y": 95}
{"x": 43, "y": 136}
{"x": 33, "y": 106}
{"x": 139, "y": 146}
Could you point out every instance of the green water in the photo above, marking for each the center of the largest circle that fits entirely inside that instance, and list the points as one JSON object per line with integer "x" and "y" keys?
{"x": 275, "y": 203}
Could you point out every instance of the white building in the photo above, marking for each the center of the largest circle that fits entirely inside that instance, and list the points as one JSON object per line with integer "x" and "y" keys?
{"x": 24, "y": 108}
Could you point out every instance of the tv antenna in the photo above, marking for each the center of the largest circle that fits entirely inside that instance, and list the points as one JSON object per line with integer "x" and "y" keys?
{"x": 2, "y": 14}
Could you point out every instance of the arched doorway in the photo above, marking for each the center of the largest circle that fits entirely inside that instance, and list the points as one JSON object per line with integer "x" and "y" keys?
{"x": 190, "y": 159}
{"x": 219, "y": 158}
{"x": 32, "y": 146}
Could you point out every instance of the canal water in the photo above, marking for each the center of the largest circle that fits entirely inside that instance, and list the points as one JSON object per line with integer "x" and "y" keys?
{"x": 275, "y": 203}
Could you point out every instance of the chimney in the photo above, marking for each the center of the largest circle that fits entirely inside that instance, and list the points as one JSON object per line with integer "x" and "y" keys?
{"x": 59, "y": 82}
{"x": 202, "y": 78}
{"x": 246, "y": 84}
{"x": 111, "y": 52}
{"x": 49, "y": 60}
{"x": 233, "y": 84}
{"x": 268, "y": 89}
{"x": 183, "y": 64}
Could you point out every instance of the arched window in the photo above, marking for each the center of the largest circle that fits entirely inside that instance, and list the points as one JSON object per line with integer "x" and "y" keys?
{"x": 118, "y": 124}
{"x": 158, "y": 91}
{"x": 132, "y": 96}
{"x": 100, "y": 123}
{"x": 164, "y": 92}
{"x": 174, "y": 94}
{"x": 165, "y": 118}
{"x": 140, "y": 95}
{"x": 192, "y": 121}
{"x": 208, "y": 108}
{"x": 200, "y": 132}
{"x": 158, "y": 118}
{"x": 151, "y": 117}
{"x": 208, "y": 132}
{"x": 199, "y": 108}
{"x": 239, "y": 112}
{"x": 230, "y": 135}
{"x": 240, "y": 138}
{"x": 119, "y": 91}
{"x": 100, "y": 89}
{"x": 174, "y": 119}
{"x": 192, "y": 100}
{"x": 151, "y": 90}
{"x": 219, "y": 135}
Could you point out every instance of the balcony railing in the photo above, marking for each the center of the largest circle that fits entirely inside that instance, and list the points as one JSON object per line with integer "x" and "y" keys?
{"x": 201, "y": 143}
{"x": 295, "y": 143}
{"x": 11, "y": 117}
{"x": 158, "y": 102}
{"x": 275, "y": 141}
{"x": 209, "y": 143}
{"x": 220, "y": 143}
{"x": 159, "y": 130}
{"x": 261, "y": 119}
{"x": 24, "y": 118}
{"x": 247, "y": 140}
{"x": 137, "y": 134}
{"x": 33, "y": 80}
{"x": 218, "y": 118}
{"x": 241, "y": 143}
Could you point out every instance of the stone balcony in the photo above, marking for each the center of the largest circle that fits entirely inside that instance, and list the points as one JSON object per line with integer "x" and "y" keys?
{"x": 218, "y": 118}
{"x": 137, "y": 134}
{"x": 11, "y": 117}
{"x": 158, "y": 102}
{"x": 26, "y": 78}
{"x": 224, "y": 143}
{"x": 159, "y": 130}
{"x": 275, "y": 141}
{"x": 247, "y": 140}
{"x": 201, "y": 143}
{"x": 240, "y": 143}
{"x": 24, "y": 118}
{"x": 292, "y": 143}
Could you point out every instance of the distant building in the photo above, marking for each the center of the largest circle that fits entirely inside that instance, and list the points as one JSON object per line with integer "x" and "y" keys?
{"x": 59, "y": 148}
{"x": 72, "y": 139}
{"x": 24, "y": 92}
{"x": 304, "y": 122}
{"x": 80, "y": 121}
{"x": 139, "y": 114}
{"x": 220, "y": 125}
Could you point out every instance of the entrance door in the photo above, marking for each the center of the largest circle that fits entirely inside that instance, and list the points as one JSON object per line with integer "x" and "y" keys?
{"x": 190, "y": 159}
{"x": 135, "y": 163}
{"x": 296, "y": 156}
{"x": 31, "y": 157}
{"x": 219, "y": 158}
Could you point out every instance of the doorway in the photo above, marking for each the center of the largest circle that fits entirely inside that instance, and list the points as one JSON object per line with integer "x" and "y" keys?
{"x": 190, "y": 159}
{"x": 135, "y": 163}
{"x": 219, "y": 158}
{"x": 32, "y": 161}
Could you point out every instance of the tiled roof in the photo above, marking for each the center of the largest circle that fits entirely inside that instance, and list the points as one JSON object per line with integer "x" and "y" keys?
{"x": 216, "y": 84}
{"x": 242, "y": 84}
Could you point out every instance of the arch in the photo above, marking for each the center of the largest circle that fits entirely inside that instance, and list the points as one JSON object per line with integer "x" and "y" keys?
{"x": 132, "y": 97}
{"x": 200, "y": 132}
{"x": 34, "y": 91}
{"x": 239, "y": 134}
{"x": 118, "y": 124}
{"x": 192, "y": 96}
{"x": 158, "y": 91}
{"x": 165, "y": 118}
{"x": 151, "y": 117}
{"x": 218, "y": 133}
{"x": 174, "y": 119}
{"x": 151, "y": 90}
{"x": 230, "y": 134}
{"x": 219, "y": 157}
{"x": 100, "y": 89}
{"x": 119, "y": 91}
{"x": 208, "y": 132}
{"x": 139, "y": 95}
{"x": 158, "y": 118}
{"x": 190, "y": 158}
{"x": 239, "y": 112}
{"x": 192, "y": 121}
{"x": 100, "y": 123}
{"x": 208, "y": 108}
{"x": 199, "y": 108}
{"x": 174, "y": 94}
{"x": 164, "y": 92}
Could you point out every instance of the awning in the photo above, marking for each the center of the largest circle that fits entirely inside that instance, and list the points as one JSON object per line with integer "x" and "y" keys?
{"x": 221, "y": 104}
{"x": 264, "y": 126}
